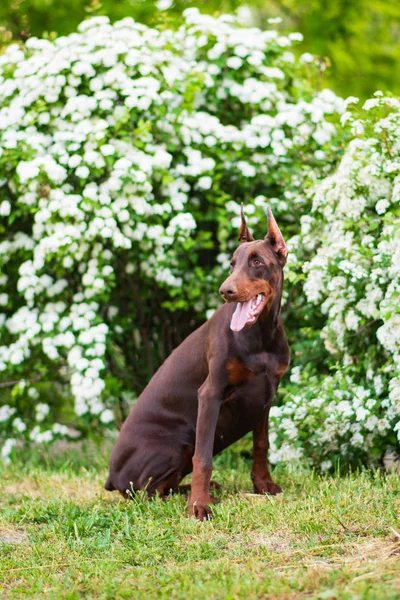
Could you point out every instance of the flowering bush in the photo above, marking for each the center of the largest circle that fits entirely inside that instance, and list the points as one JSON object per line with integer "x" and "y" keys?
{"x": 352, "y": 289}
{"x": 125, "y": 152}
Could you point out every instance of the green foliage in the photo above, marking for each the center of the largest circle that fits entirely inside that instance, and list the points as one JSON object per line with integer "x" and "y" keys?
{"x": 126, "y": 154}
{"x": 357, "y": 39}
{"x": 343, "y": 399}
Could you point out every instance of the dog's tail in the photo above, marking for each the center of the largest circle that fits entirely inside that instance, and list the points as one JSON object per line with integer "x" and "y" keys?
{"x": 109, "y": 486}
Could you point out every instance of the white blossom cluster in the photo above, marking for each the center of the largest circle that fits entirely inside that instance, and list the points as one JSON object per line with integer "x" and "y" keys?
{"x": 353, "y": 282}
{"x": 116, "y": 144}
{"x": 331, "y": 421}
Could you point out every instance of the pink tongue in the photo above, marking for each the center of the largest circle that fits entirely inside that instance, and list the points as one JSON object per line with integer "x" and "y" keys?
{"x": 239, "y": 317}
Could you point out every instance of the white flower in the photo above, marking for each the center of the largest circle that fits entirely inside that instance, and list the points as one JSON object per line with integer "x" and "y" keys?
{"x": 6, "y": 412}
{"x": 381, "y": 206}
{"x": 246, "y": 169}
{"x": 234, "y": 62}
{"x": 295, "y": 37}
{"x": 60, "y": 429}
{"x": 7, "y": 449}
{"x": 42, "y": 410}
{"x": 321, "y": 136}
{"x": 82, "y": 172}
{"x": 204, "y": 183}
{"x": 19, "y": 425}
{"x": 184, "y": 221}
{"x": 68, "y": 262}
{"x": 107, "y": 149}
{"x": 351, "y": 100}
{"x": 352, "y": 320}
{"x": 17, "y": 356}
{"x": 5, "y": 208}
{"x": 164, "y": 4}
{"x": 107, "y": 416}
{"x": 55, "y": 171}
{"x": 307, "y": 57}
{"x": 27, "y": 171}
{"x": 295, "y": 375}
{"x": 326, "y": 465}
{"x": 74, "y": 161}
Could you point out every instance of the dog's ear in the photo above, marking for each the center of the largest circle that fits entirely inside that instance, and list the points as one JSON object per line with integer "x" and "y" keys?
{"x": 244, "y": 231}
{"x": 275, "y": 237}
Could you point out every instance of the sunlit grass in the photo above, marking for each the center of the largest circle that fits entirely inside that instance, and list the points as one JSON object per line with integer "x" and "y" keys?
{"x": 63, "y": 536}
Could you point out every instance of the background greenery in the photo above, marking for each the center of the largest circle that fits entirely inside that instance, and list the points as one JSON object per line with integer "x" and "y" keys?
{"x": 221, "y": 131}
{"x": 269, "y": 140}
{"x": 359, "y": 40}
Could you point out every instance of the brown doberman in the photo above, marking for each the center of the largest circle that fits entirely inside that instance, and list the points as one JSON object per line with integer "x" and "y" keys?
{"x": 214, "y": 388}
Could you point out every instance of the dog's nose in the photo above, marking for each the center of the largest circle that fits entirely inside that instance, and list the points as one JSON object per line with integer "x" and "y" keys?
{"x": 228, "y": 291}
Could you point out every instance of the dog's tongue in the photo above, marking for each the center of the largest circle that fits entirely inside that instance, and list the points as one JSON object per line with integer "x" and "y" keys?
{"x": 239, "y": 317}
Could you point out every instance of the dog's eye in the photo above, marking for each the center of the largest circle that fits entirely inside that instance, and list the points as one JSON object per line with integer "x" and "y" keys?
{"x": 256, "y": 262}
{"x": 232, "y": 264}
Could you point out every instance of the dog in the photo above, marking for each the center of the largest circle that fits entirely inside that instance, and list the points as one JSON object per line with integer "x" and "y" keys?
{"x": 214, "y": 388}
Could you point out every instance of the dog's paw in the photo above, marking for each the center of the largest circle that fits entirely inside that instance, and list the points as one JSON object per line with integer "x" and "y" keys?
{"x": 201, "y": 509}
{"x": 267, "y": 487}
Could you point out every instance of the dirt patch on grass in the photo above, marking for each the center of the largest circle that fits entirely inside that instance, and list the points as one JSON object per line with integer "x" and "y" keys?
{"x": 380, "y": 553}
{"x": 272, "y": 542}
{"x": 352, "y": 553}
{"x": 80, "y": 490}
{"x": 12, "y": 535}
{"x": 28, "y": 487}
{"x": 379, "y": 549}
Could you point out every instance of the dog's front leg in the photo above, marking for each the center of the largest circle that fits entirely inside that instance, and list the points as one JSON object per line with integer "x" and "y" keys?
{"x": 209, "y": 408}
{"x": 260, "y": 475}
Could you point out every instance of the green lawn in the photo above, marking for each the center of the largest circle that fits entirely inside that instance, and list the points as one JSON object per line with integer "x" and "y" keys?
{"x": 63, "y": 536}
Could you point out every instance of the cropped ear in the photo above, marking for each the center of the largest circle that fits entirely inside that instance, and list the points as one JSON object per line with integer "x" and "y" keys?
{"x": 244, "y": 231}
{"x": 275, "y": 237}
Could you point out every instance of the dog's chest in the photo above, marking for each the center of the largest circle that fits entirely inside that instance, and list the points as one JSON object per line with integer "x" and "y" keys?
{"x": 239, "y": 372}
{"x": 241, "y": 369}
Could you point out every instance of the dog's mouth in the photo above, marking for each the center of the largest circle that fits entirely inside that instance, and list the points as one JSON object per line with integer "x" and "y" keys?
{"x": 247, "y": 313}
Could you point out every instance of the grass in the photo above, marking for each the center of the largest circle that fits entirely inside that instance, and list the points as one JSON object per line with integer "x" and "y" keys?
{"x": 63, "y": 536}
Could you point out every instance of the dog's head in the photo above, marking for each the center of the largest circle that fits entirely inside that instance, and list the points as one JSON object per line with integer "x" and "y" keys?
{"x": 256, "y": 274}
